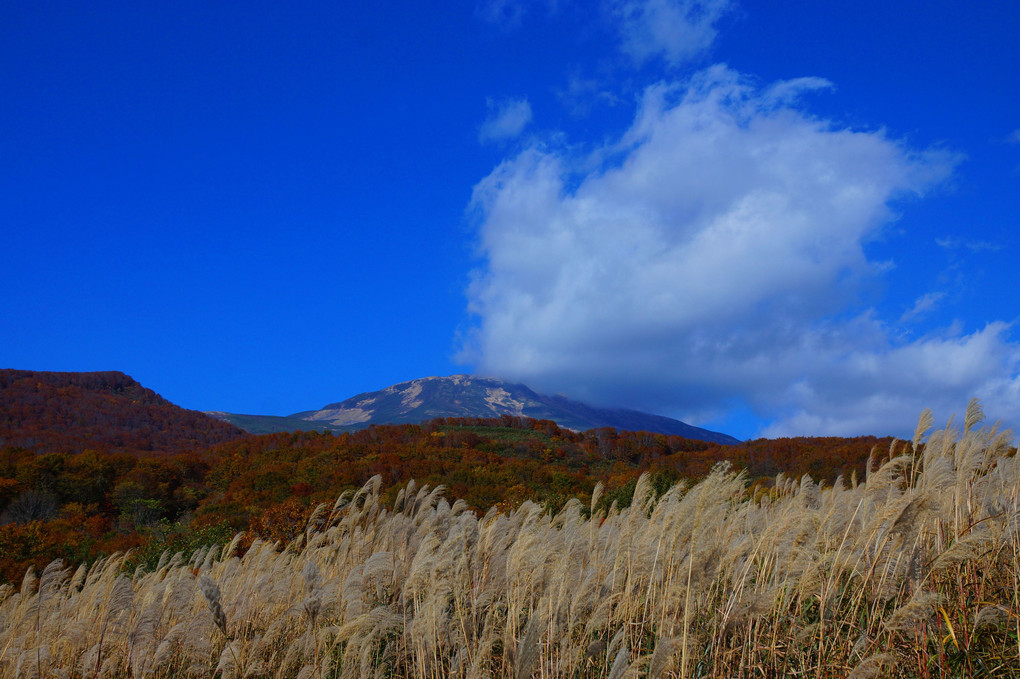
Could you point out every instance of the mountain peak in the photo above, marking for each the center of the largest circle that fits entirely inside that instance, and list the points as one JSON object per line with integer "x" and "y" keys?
{"x": 427, "y": 398}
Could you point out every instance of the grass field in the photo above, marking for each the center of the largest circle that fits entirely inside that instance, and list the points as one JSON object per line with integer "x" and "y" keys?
{"x": 911, "y": 572}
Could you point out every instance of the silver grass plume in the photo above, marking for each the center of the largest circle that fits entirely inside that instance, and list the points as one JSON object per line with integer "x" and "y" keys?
{"x": 29, "y": 582}
{"x": 77, "y": 580}
{"x": 339, "y": 506}
{"x": 528, "y": 648}
{"x": 873, "y": 667}
{"x": 975, "y": 415}
{"x": 210, "y": 557}
{"x": 318, "y": 519}
{"x": 142, "y": 639}
{"x": 938, "y": 472}
{"x": 595, "y": 649}
{"x": 292, "y": 657}
{"x": 212, "y": 599}
{"x": 308, "y": 672}
{"x": 310, "y": 574}
{"x": 118, "y": 601}
{"x": 644, "y": 495}
{"x": 30, "y": 663}
{"x": 231, "y": 547}
{"x": 226, "y": 667}
{"x": 920, "y": 608}
{"x": 198, "y": 555}
{"x": 989, "y": 618}
{"x": 907, "y": 515}
{"x": 313, "y": 602}
{"x": 482, "y": 653}
{"x": 964, "y": 549}
{"x": 53, "y": 576}
{"x": 620, "y": 664}
{"x": 924, "y": 424}
{"x": 665, "y": 649}
{"x": 596, "y": 495}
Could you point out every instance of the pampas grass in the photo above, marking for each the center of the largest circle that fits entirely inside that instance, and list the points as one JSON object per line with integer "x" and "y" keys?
{"x": 913, "y": 572}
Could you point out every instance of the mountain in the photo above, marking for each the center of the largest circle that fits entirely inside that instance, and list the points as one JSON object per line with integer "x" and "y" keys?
{"x": 102, "y": 411}
{"x": 467, "y": 396}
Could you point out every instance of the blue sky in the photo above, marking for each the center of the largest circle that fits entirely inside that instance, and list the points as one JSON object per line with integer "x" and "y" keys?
{"x": 764, "y": 218}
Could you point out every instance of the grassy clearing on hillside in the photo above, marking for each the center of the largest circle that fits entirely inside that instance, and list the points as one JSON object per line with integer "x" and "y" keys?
{"x": 913, "y": 572}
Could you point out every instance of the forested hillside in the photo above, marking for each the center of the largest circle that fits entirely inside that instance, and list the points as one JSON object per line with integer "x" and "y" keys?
{"x": 59, "y": 503}
{"x": 101, "y": 411}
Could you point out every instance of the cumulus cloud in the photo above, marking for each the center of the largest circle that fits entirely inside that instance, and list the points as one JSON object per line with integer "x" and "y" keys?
{"x": 676, "y": 30}
{"x": 859, "y": 382}
{"x": 506, "y": 120}
{"x": 717, "y": 251}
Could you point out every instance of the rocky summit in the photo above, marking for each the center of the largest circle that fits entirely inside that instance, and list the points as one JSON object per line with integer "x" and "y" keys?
{"x": 468, "y": 396}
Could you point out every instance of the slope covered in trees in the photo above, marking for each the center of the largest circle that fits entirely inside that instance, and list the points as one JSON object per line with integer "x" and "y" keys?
{"x": 101, "y": 411}
{"x": 78, "y": 506}
{"x": 490, "y": 462}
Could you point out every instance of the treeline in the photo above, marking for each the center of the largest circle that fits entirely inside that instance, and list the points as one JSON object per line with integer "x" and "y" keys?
{"x": 81, "y": 505}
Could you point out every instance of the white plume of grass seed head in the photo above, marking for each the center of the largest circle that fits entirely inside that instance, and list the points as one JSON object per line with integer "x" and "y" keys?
{"x": 924, "y": 424}
{"x": 919, "y": 609}
{"x": 211, "y": 592}
{"x": 874, "y": 666}
{"x": 975, "y": 415}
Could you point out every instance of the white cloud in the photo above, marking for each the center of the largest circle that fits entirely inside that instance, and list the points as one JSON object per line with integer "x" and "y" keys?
{"x": 717, "y": 251}
{"x": 789, "y": 91}
{"x": 677, "y": 30}
{"x": 976, "y": 246}
{"x": 880, "y": 388}
{"x": 507, "y": 119}
{"x": 924, "y": 305}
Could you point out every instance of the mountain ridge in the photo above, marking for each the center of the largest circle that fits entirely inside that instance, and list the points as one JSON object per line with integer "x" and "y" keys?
{"x": 104, "y": 410}
{"x": 427, "y": 398}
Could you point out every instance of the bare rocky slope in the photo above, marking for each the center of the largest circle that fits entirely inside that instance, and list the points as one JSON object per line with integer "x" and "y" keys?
{"x": 467, "y": 396}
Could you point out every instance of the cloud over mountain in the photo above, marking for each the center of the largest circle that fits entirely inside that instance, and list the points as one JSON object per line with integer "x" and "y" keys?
{"x": 718, "y": 250}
